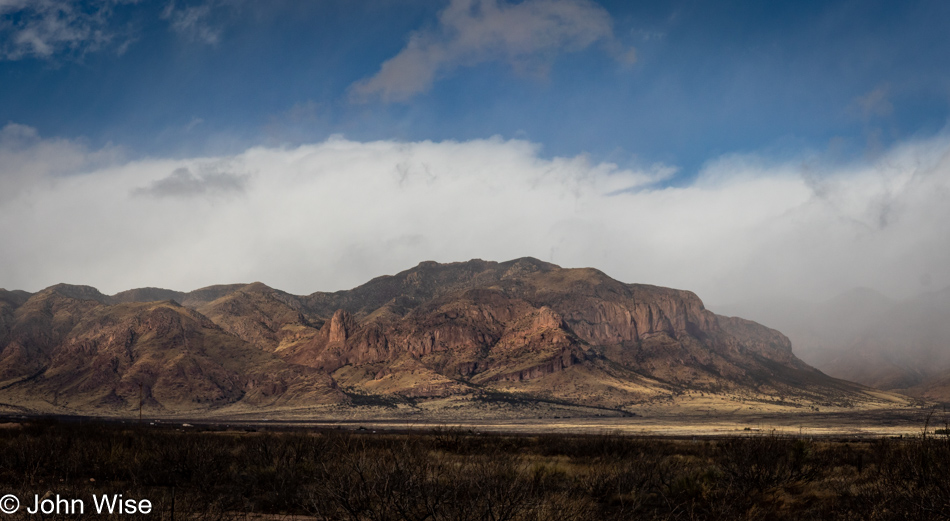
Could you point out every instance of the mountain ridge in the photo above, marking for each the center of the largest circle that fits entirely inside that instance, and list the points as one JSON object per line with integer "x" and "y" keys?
{"x": 452, "y": 332}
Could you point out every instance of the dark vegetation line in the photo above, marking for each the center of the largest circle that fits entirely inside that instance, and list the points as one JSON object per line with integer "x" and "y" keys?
{"x": 484, "y": 395}
{"x": 488, "y": 396}
{"x": 453, "y": 475}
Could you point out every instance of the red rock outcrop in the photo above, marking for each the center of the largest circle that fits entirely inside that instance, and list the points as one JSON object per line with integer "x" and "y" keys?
{"x": 485, "y": 322}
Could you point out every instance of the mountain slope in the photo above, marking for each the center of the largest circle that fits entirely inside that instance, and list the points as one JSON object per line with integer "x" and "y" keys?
{"x": 81, "y": 354}
{"x": 518, "y": 330}
{"x": 524, "y": 326}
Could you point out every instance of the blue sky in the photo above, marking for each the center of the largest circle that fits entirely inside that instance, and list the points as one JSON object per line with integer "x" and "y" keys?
{"x": 847, "y": 78}
{"x": 739, "y": 149}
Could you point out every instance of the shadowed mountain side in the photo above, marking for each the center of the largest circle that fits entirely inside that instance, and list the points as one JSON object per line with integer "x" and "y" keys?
{"x": 402, "y": 292}
{"x": 9, "y": 302}
{"x": 82, "y": 355}
{"x": 38, "y": 326}
{"x": 254, "y": 312}
{"x": 148, "y": 295}
{"x": 258, "y": 314}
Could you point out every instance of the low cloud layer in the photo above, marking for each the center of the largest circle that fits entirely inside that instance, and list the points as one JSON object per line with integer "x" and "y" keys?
{"x": 527, "y": 35}
{"x": 332, "y": 215}
{"x": 183, "y": 183}
{"x": 29, "y": 162}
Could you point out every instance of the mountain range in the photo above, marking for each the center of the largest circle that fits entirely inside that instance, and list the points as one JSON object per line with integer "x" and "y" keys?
{"x": 464, "y": 335}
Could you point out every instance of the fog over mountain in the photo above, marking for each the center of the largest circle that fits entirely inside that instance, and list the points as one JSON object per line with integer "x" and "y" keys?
{"x": 864, "y": 336}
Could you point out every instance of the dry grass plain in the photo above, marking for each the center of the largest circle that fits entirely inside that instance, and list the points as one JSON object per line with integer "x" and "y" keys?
{"x": 682, "y": 418}
{"x": 685, "y": 415}
{"x": 289, "y": 470}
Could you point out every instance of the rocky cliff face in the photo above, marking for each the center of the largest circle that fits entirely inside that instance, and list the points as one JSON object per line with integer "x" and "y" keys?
{"x": 525, "y": 319}
{"x": 523, "y": 326}
{"x": 515, "y": 323}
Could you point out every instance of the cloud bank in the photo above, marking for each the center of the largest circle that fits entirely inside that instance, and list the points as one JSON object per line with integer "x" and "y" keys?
{"x": 183, "y": 183}
{"x": 526, "y": 34}
{"x": 332, "y": 215}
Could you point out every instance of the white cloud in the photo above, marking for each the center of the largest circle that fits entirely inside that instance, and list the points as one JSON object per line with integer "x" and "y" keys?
{"x": 48, "y": 29}
{"x": 875, "y": 103}
{"x": 28, "y": 162}
{"x": 183, "y": 183}
{"x": 526, "y": 34}
{"x": 334, "y": 214}
{"x": 45, "y": 28}
{"x": 192, "y": 21}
